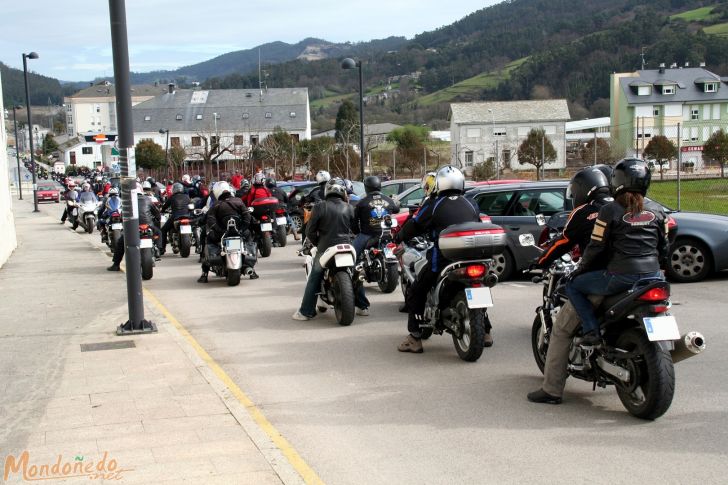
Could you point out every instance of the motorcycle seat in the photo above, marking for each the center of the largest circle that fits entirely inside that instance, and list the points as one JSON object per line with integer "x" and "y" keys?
{"x": 615, "y": 305}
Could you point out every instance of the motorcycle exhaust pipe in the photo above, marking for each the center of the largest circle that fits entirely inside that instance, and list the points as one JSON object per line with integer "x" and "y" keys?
{"x": 248, "y": 271}
{"x": 491, "y": 280}
{"x": 689, "y": 345}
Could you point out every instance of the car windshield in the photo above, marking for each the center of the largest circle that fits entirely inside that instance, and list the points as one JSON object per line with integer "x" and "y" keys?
{"x": 46, "y": 187}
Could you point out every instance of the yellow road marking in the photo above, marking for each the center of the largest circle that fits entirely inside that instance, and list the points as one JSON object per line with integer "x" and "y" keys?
{"x": 296, "y": 461}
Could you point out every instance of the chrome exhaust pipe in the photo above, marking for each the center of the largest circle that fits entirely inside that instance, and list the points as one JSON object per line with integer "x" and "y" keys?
{"x": 248, "y": 271}
{"x": 491, "y": 280}
{"x": 689, "y": 345}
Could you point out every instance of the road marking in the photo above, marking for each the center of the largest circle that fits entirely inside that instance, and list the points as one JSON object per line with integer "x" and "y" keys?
{"x": 297, "y": 462}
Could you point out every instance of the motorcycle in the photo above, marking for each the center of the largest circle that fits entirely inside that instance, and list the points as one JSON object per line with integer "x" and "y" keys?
{"x": 280, "y": 227}
{"x": 641, "y": 340}
{"x": 235, "y": 256}
{"x": 148, "y": 251}
{"x": 180, "y": 236}
{"x": 86, "y": 215}
{"x": 197, "y": 225}
{"x": 337, "y": 286}
{"x": 459, "y": 300}
{"x": 113, "y": 229}
{"x": 263, "y": 215}
{"x": 378, "y": 261}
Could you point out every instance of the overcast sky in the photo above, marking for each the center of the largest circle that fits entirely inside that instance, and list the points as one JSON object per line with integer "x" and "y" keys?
{"x": 74, "y": 42}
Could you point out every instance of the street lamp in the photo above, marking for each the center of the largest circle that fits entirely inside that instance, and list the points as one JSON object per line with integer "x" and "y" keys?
{"x": 166, "y": 151}
{"x": 32, "y": 55}
{"x": 214, "y": 148}
{"x": 17, "y": 150}
{"x": 349, "y": 63}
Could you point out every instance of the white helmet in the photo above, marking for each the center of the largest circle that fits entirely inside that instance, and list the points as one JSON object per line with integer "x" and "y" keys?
{"x": 323, "y": 176}
{"x": 220, "y": 188}
{"x": 449, "y": 178}
{"x": 146, "y": 185}
{"x": 186, "y": 178}
{"x": 113, "y": 191}
{"x": 86, "y": 186}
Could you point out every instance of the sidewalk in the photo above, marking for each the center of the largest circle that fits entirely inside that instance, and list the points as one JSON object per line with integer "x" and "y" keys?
{"x": 153, "y": 412}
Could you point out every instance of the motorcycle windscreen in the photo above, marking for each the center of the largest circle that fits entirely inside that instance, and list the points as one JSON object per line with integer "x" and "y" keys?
{"x": 343, "y": 260}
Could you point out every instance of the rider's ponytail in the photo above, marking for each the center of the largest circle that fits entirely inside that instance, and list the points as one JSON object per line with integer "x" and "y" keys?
{"x": 632, "y": 202}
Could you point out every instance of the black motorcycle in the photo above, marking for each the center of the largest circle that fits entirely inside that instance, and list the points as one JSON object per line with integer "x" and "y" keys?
{"x": 263, "y": 212}
{"x": 234, "y": 256}
{"x": 378, "y": 263}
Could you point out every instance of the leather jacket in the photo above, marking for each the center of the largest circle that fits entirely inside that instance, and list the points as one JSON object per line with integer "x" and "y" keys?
{"x": 630, "y": 244}
{"x": 148, "y": 212}
{"x": 221, "y": 212}
{"x": 330, "y": 223}
{"x": 315, "y": 195}
{"x": 370, "y": 211}
{"x": 279, "y": 194}
{"x": 178, "y": 203}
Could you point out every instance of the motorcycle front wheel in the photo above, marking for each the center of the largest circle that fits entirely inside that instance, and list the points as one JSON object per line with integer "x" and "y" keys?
{"x": 469, "y": 344}
{"x": 147, "y": 264}
{"x": 343, "y": 298}
{"x": 538, "y": 344}
{"x": 391, "y": 278}
{"x": 90, "y": 226}
{"x": 649, "y": 393}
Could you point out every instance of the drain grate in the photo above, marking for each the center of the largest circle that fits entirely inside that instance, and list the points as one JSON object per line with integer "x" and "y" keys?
{"x": 121, "y": 344}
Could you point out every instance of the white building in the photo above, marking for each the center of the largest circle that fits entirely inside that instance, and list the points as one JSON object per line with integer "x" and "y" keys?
{"x": 495, "y": 129}
{"x": 89, "y": 150}
{"x": 8, "y": 241}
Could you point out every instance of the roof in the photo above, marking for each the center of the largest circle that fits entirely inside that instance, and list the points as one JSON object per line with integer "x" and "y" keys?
{"x": 236, "y": 109}
{"x": 372, "y": 129}
{"x": 510, "y": 111}
{"x": 103, "y": 90}
{"x": 684, "y": 78}
{"x": 75, "y": 141}
{"x": 588, "y": 124}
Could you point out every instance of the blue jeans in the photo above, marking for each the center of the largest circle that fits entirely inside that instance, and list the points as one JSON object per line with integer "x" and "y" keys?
{"x": 601, "y": 283}
{"x": 359, "y": 243}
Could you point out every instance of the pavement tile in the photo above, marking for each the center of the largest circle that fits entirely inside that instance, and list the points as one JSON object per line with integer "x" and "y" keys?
{"x": 248, "y": 462}
{"x": 93, "y": 432}
{"x": 169, "y": 410}
{"x": 185, "y": 390}
{"x": 110, "y": 414}
{"x": 198, "y": 470}
{"x": 207, "y": 449}
{"x": 146, "y": 439}
{"x": 192, "y": 422}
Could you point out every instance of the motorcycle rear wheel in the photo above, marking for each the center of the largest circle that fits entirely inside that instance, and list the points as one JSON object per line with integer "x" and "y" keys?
{"x": 147, "y": 264}
{"x": 649, "y": 393}
{"x": 391, "y": 279}
{"x": 343, "y": 298}
{"x": 90, "y": 227}
{"x": 233, "y": 277}
{"x": 539, "y": 351}
{"x": 469, "y": 345}
{"x": 185, "y": 243}
{"x": 114, "y": 238}
{"x": 266, "y": 245}
{"x": 282, "y": 236}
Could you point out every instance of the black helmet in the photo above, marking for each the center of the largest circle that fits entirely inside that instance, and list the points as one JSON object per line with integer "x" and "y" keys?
{"x": 372, "y": 184}
{"x": 606, "y": 170}
{"x": 586, "y": 185}
{"x": 631, "y": 175}
{"x": 270, "y": 182}
{"x": 335, "y": 187}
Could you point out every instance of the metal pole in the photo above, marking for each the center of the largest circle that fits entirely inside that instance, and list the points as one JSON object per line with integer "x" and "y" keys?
{"x": 543, "y": 158}
{"x": 17, "y": 152}
{"x": 361, "y": 117}
{"x": 424, "y": 166}
{"x": 497, "y": 161}
{"x": 30, "y": 138}
{"x": 394, "y": 163}
{"x": 679, "y": 164}
{"x": 595, "y": 146}
{"x": 129, "y": 190}
{"x": 166, "y": 156}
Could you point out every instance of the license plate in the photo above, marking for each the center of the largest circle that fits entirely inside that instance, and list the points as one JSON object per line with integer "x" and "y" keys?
{"x": 233, "y": 245}
{"x": 75, "y": 212}
{"x": 281, "y": 221}
{"x": 266, "y": 227}
{"x": 388, "y": 253}
{"x": 661, "y": 328}
{"x": 479, "y": 297}
{"x": 185, "y": 229}
{"x": 344, "y": 260}
{"x": 117, "y": 226}
{"x": 145, "y": 243}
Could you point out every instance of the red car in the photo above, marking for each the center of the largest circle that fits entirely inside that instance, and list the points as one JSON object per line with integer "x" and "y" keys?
{"x": 48, "y": 191}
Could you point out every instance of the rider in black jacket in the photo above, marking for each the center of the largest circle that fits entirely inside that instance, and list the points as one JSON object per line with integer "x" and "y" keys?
{"x": 449, "y": 208}
{"x": 179, "y": 204}
{"x": 148, "y": 214}
{"x": 369, "y": 213}
{"x": 330, "y": 224}
{"x": 282, "y": 197}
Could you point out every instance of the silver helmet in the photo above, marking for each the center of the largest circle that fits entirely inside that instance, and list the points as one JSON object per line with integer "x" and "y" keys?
{"x": 449, "y": 178}
{"x": 323, "y": 176}
{"x": 335, "y": 187}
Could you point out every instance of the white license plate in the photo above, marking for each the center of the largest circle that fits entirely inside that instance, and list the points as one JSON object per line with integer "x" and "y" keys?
{"x": 266, "y": 227}
{"x": 344, "y": 260}
{"x": 661, "y": 328}
{"x": 281, "y": 221}
{"x": 75, "y": 212}
{"x": 117, "y": 226}
{"x": 145, "y": 243}
{"x": 233, "y": 245}
{"x": 479, "y": 297}
{"x": 185, "y": 229}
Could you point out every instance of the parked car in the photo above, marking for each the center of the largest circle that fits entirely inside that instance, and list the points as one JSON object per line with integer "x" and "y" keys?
{"x": 49, "y": 191}
{"x": 395, "y": 187}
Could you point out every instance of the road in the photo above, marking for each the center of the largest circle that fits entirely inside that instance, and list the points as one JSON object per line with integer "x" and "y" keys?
{"x": 358, "y": 411}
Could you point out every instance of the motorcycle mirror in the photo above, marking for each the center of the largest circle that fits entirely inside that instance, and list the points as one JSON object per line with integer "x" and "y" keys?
{"x": 250, "y": 209}
{"x": 526, "y": 240}
{"x": 540, "y": 220}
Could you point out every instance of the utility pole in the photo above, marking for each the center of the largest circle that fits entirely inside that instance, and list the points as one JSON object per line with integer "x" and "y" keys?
{"x": 129, "y": 189}
{"x": 679, "y": 164}
{"x": 543, "y": 158}
{"x": 595, "y": 146}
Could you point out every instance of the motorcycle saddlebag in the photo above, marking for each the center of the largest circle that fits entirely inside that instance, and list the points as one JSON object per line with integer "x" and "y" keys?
{"x": 264, "y": 206}
{"x": 212, "y": 254}
{"x": 472, "y": 240}
{"x": 250, "y": 257}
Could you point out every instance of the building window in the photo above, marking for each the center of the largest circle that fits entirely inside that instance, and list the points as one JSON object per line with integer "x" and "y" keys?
{"x": 656, "y": 112}
{"x": 69, "y": 108}
{"x": 179, "y": 117}
{"x": 174, "y": 141}
{"x": 469, "y": 158}
{"x": 668, "y": 89}
{"x": 239, "y": 140}
{"x": 198, "y": 117}
{"x": 87, "y": 150}
{"x": 473, "y": 133}
{"x": 644, "y": 90}
{"x": 711, "y": 87}
{"x": 694, "y": 114}
{"x": 293, "y": 114}
{"x": 295, "y": 137}
{"x": 147, "y": 117}
{"x": 499, "y": 131}
{"x": 523, "y": 130}
{"x": 246, "y": 116}
{"x": 254, "y": 140}
{"x": 214, "y": 144}
{"x": 268, "y": 114}
{"x": 196, "y": 142}
{"x": 694, "y": 134}
{"x": 98, "y": 108}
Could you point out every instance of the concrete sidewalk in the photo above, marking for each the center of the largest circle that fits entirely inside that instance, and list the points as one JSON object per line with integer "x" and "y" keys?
{"x": 155, "y": 409}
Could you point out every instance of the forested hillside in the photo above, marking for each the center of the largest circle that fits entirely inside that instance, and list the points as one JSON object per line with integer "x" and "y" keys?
{"x": 43, "y": 88}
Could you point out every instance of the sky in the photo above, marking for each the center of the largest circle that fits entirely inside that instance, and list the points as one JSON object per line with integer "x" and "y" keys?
{"x": 73, "y": 37}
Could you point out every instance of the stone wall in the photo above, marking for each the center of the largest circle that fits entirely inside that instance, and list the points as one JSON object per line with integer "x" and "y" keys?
{"x": 8, "y": 242}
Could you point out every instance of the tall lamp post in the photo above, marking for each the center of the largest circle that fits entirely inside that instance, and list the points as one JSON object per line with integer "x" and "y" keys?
{"x": 349, "y": 63}
{"x": 166, "y": 151}
{"x": 17, "y": 150}
{"x": 32, "y": 55}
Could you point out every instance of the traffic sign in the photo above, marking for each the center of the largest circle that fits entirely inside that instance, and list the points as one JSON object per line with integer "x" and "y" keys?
{"x": 100, "y": 138}
{"x": 27, "y": 176}
{"x": 114, "y": 152}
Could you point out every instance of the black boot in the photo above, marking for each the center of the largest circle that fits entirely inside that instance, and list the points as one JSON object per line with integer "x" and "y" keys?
{"x": 114, "y": 267}
{"x": 542, "y": 397}
{"x": 203, "y": 278}
{"x": 591, "y": 339}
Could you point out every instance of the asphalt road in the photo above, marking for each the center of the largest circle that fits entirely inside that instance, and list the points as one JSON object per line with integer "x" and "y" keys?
{"x": 359, "y": 412}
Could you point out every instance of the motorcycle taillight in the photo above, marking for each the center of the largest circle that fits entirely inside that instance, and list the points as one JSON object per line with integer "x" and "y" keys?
{"x": 184, "y": 221}
{"x": 143, "y": 227}
{"x": 263, "y": 218}
{"x": 655, "y": 295}
{"x": 475, "y": 270}
{"x": 280, "y": 212}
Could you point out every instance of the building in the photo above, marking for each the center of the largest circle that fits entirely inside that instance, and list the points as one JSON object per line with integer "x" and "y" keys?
{"x": 581, "y": 132}
{"x": 495, "y": 129}
{"x": 685, "y": 104}
{"x": 232, "y": 121}
{"x": 8, "y": 241}
{"x": 89, "y": 150}
{"x": 93, "y": 109}
{"x": 375, "y": 134}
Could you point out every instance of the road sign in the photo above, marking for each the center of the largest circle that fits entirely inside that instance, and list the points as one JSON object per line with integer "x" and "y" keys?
{"x": 116, "y": 167}
{"x": 27, "y": 176}
{"x": 100, "y": 138}
{"x": 114, "y": 152}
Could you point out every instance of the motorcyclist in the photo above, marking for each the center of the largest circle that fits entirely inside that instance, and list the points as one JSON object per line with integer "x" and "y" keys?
{"x": 154, "y": 188}
{"x": 330, "y": 224}
{"x": 282, "y": 197}
{"x": 148, "y": 214}
{"x": 98, "y": 186}
{"x": 87, "y": 195}
{"x": 110, "y": 204}
{"x": 369, "y": 212}
{"x": 148, "y": 189}
{"x": 178, "y": 203}
{"x": 258, "y": 190}
{"x": 70, "y": 195}
{"x": 242, "y": 192}
{"x": 450, "y": 207}
{"x": 353, "y": 198}
{"x": 226, "y": 206}
{"x": 317, "y": 193}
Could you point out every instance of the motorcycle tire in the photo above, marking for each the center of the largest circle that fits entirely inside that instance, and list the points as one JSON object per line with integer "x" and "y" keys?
{"x": 233, "y": 277}
{"x": 114, "y": 238}
{"x": 282, "y": 236}
{"x": 266, "y": 245}
{"x": 391, "y": 279}
{"x": 343, "y": 298}
{"x": 649, "y": 393}
{"x": 185, "y": 244}
{"x": 90, "y": 227}
{"x": 469, "y": 345}
{"x": 147, "y": 264}
{"x": 426, "y": 333}
{"x": 539, "y": 352}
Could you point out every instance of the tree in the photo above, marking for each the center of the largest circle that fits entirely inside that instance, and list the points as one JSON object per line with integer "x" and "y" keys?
{"x": 347, "y": 122}
{"x": 536, "y": 150}
{"x": 278, "y": 147}
{"x": 604, "y": 152}
{"x": 149, "y": 155}
{"x": 662, "y": 150}
{"x": 410, "y": 141}
{"x": 49, "y": 144}
{"x": 209, "y": 146}
{"x": 716, "y": 148}
{"x": 177, "y": 156}
{"x": 485, "y": 170}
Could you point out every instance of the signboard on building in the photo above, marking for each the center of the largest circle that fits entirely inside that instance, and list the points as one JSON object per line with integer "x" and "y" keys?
{"x": 692, "y": 149}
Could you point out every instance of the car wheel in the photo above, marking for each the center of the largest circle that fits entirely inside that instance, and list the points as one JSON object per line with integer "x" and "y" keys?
{"x": 690, "y": 261}
{"x": 502, "y": 265}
